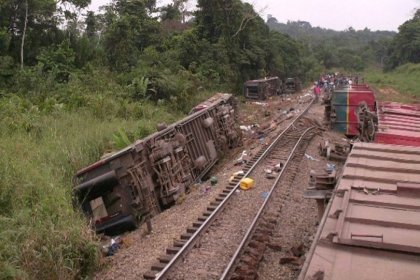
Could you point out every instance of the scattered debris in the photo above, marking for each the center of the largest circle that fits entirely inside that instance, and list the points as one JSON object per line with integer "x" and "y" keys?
{"x": 242, "y": 159}
{"x": 246, "y": 183}
{"x": 270, "y": 175}
{"x": 278, "y": 167}
{"x": 334, "y": 151}
{"x": 112, "y": 247}
{"x": 205, "y": 189}
{"x": 323, "y": 180}
{"x": 311, "y": 157}
{"x": 264, "y": 104}
{"x": 264, "y": 195}
{"x": 213, "y": 180}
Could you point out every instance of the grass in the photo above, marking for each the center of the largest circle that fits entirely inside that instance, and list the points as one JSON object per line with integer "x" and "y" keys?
{"x": 41, "y": 146}
{"x": 400, "y": 85}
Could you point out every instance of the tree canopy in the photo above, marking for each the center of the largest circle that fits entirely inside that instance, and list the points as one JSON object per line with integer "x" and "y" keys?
{"x": 405, "y": 47}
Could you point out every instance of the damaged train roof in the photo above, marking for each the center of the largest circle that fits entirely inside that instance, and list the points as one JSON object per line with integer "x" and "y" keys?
{"x": 398, "y": 124}
{"x": 371, "y": 228}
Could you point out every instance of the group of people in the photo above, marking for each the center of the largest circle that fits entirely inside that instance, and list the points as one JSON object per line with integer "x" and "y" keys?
{"x": 329, "y": 82}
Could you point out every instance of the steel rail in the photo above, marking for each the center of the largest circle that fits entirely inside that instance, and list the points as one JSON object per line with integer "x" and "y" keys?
{"x": 251, "y": 229}
{"x": 191, "y": 242}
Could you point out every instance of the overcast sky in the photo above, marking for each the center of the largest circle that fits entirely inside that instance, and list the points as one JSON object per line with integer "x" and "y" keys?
{"x": 334, "y": 14}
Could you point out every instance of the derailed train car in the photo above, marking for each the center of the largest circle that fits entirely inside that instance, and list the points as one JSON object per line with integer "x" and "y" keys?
{"x": 263, "y": 88}
{"x": 123, "y": 190}
{"x": 371, "y": 229}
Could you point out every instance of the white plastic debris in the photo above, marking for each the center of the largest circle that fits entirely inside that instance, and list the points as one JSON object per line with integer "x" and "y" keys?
{"x": 311, "y": 157}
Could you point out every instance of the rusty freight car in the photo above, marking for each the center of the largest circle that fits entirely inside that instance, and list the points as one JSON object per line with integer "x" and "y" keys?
{"x": 398, "y": 124}
{"x": 262, "y": 88}
{"x": 371, "y": 228}
{"x": 123, "y": 190}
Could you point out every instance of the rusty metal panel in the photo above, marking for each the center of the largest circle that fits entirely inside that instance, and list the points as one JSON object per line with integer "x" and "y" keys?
{"x": 372, "y": 227}
{"x": 398, "y": 124}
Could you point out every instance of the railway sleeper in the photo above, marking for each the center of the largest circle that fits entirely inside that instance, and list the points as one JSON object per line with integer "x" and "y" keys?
{"x": 198, "y": 224}
{"x": 191, "y": 229}
{"x": 262, "y": 237}
{"x": 202, "y": 218}
{"x": 150, "y": 275}
{"x": 186, "y": 236}
{"x": 211, "y": 208}
{"x": 214, "y": 203}
{"x": 179, "y": 243}
{"x": 207, "y": 213}
{"x": 249, "y": 260}
{"x": 257, "y": 245}
{"x": 267, "y": 226}
{"x": 256, "y": 253}
{"x": 158, "y": 266}
{"x": 165, "y": 258}
{"x": 172, "y": 250}
{"x": 244, "y": 273}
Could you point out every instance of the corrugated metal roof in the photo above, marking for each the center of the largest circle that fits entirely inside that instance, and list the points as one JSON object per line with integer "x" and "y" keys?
{"x": 372, "y": 227}
{"x": 398, "y": 124}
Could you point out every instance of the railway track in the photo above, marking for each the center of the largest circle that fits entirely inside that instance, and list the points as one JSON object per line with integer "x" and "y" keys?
{"x": 245, "y": 261}
{"x": 215, "y": 237}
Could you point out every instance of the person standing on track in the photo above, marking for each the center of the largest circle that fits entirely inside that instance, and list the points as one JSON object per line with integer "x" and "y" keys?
{"x": 317, "y": 92}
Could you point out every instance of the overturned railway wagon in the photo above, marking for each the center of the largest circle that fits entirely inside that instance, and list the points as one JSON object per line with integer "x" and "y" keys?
{"x": 123, "y": 190}
{"x": 371, "y": 228}
{"x": 262, "y": 88}
{"x": 345, "y": 106}
{"x": 292, "y": 85}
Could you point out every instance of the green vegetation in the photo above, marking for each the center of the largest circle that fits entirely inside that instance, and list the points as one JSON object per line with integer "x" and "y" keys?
{"x": 401, "y": 84}
{"x": 405, "y": 47}
{"x": 74, "y": 86}
{"x": 351, "y": 50}
{"x": 42, "y": 144}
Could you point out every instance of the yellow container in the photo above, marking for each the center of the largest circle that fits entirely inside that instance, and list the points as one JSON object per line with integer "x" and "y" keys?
{"x": 246, "y": 183}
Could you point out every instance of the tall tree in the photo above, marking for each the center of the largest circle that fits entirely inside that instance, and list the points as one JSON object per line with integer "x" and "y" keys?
{"x": 405, "y": 47}
{"x": 32, "y": 22}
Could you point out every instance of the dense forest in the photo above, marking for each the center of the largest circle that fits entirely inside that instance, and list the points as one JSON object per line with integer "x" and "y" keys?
{"x": 75, "y": 84}
{"x": 356, "y": 49}
{"x": 350, "y": 49}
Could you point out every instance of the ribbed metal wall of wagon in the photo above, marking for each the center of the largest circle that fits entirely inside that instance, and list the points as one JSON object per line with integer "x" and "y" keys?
{"x": 121, "y": 191}
{"x": 398, "y": 124}
{"x": 371, "y": 227}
